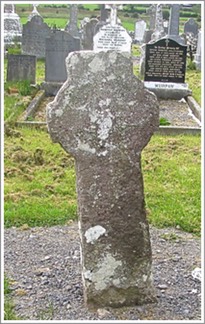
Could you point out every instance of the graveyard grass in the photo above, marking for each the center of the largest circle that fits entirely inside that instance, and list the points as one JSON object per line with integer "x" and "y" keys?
{"x": 40, "y": 176}
{"x": 9, "y": 313}
{"x": 40, "y": 181}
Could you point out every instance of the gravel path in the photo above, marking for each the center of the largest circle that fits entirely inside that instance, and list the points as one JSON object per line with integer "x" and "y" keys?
{"x": 44, "y": 264}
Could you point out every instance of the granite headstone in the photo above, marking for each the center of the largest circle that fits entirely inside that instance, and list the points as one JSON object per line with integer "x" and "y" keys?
{"x": 58, "y": 46}
{"x": 34, "y": 37}
{"x": 191, "y": 26}
{"x": 21, "y": 67}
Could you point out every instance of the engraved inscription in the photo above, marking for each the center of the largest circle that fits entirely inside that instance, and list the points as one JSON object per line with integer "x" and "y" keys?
{"x": 112, "y": 38}
{"x": 165, "y": 61}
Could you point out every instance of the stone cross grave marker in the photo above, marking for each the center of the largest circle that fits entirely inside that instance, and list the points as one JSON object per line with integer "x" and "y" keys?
{"x": 173, "y": 29}
{"x": 104, "y": 117}
{"x": 21, "y": 67}
{"x": 72, "y": 26}
{"x": 151, "y": 11}
{"x": 159, "y": 27}
{"x": 113, "y": 13}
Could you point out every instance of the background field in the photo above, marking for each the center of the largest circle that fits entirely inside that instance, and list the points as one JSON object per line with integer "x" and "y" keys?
{"x": 58, "y": 14}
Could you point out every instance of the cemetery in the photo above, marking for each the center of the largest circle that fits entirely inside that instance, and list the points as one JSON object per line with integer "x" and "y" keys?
{"x": 102, "y": 171}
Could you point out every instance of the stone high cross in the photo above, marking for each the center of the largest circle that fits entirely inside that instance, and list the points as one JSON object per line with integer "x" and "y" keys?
{"x": 173, "y": 30}
{"x": 103, "y": 116}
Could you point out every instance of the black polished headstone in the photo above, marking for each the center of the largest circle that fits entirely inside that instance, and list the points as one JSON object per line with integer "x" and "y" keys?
{"x": 165, "y": 61}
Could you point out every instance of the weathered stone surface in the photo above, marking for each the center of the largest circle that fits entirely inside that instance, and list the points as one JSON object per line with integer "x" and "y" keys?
{"x": 173, "y": 29}
{"x": 12, "y": 26}
{"x": 58, "y": 45}
{"x": 21, "y": 67}
{"x": 159, "y": 27}
{"x": 87, "y": 32}
{"x": 72, "y": 25}
{"x": 104, "y": 117}
{"x": 191, "y": 26}
{"x": 34, "y": 37}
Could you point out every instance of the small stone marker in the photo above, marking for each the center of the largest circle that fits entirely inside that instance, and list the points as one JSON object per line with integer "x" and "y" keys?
{"x": 21, "y": 67}
{"x": 165, "y": 66}
{"x": 34, "y": 37}
{"x": 140, "y": 27}
{"x": 191, "y": 27}
{"x": 104, "y": 117}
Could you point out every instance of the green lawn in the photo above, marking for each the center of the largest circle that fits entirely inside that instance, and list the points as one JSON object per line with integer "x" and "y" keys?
{"x": 40, "y": 181}
{"x": 9, "y": 313}
{"x": 172, "y": 179}
{"x": 193, "y": 79}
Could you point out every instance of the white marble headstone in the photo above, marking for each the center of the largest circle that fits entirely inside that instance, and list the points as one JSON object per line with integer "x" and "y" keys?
{"x": 140, "y": 27}
{"x": 112, "y": 38}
